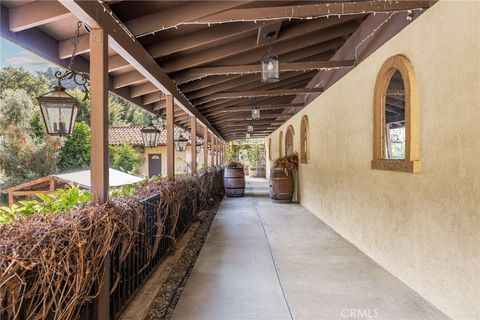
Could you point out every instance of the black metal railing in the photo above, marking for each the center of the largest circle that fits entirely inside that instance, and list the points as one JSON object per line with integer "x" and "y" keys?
{"x": 151, "y": 246}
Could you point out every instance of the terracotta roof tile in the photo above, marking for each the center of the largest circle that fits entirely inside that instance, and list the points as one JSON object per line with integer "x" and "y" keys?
{"x": 118, "y": 135}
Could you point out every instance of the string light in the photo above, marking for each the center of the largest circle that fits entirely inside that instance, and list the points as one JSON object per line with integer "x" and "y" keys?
{"x": 259, "y": 19}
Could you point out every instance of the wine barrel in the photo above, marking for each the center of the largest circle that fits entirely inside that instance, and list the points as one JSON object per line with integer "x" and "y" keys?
{"x": 234, "y": 180}
{"x": 281, "y": 186}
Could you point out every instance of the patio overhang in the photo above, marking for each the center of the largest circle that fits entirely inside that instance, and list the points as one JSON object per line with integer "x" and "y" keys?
{"x": 207, "y": 57}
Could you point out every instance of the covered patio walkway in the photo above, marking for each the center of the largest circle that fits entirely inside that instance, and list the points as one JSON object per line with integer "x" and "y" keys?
{"x": 276, "y": 261}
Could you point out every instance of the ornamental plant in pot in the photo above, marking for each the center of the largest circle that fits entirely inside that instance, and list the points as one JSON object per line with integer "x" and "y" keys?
{"x": 234, "y": 180}
{"x": 281, "y": 178}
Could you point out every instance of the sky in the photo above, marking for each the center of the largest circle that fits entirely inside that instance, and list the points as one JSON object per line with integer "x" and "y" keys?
{"x": 15, "y": 56}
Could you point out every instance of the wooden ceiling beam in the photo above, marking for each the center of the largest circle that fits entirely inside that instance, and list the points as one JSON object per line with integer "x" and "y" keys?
{"x": 248, "y": 82}
{"x": 331, "y": 40}
{"x": 268, "y": 33}
{"x": 265, "y": 93}
{"x": 265, "y": 100}
{"x": 197, "y": 85}
{"x": 93, "y": 13}
{"x": 198, "y": 73}
{"x": 35, "y": 14}
{"x": 295, "y": 81}
{"x": 230, "y": 84}
{"x": 152, "y": 98}
{"x": 127, "y": 79}
{"x": 249, "y": 108}
{"x": 296, "y": 32}
{"x": 143, "y": 89}
{"x": 177, "y": 15}
{"x": 317, "y": 10}
{"x": 157, "y": 50}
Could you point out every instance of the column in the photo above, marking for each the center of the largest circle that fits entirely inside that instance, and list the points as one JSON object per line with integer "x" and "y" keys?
{"x": 212, "y": 153}
{"x": 205, "y": 148}
{"x": 99, "y": 149}
{"x": 170, "y": 138}
{"x": 193, "y": 140}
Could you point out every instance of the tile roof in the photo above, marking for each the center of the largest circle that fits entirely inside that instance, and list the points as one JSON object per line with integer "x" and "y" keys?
{"x": 118, "y": 135}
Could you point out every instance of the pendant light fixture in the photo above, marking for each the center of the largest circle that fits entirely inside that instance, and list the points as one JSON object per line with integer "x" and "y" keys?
{"x": 181, "y": 143}
{"x": 270, "y": 64}
{"x": 59, "y": 109}
{"x": 150, "y": 135}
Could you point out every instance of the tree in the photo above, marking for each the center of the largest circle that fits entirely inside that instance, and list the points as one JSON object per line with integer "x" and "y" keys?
{"x": 75, "y": 153}
{"x": 23, "y": 156}
{"x": 19, "y": 78}
{"x": 124, "y": 158}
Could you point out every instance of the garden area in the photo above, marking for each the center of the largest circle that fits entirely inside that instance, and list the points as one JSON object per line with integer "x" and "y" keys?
{"x": 28, "y": 153}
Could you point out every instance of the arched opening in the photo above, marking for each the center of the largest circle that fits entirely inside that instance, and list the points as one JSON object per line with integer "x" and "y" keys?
{"x": 304, "y": 140}
{"x": 289, "y": 141}
{"x": 396, "y": 117}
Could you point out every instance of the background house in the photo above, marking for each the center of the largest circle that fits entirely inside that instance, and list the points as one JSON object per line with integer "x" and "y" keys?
{"x": 153, "y": 159}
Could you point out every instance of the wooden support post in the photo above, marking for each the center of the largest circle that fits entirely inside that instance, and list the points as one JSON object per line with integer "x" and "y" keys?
{"x": 217, "y": 151}
{"x": 99, "y": 114}
{"x": 170, "y": 138}
{"x": 205, "y": 148}
{"x": 99, "y": 152}
{"x": 193, "y": 140}
{"x": 212, "y": 151}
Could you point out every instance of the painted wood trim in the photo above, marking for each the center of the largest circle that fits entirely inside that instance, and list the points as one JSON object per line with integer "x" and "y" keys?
{"x": 411, "y": 163}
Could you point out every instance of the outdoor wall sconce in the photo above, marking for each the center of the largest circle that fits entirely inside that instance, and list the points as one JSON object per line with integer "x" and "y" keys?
{"x": 199, "y": 147}
{"x": 270, "y": 64}
{"x": 58, "y": 108}
{"x": 150, "y": 136}
{"x": 181, "y": 143}
{"x": 247, "y": 136}
{"x": 250, "y": 128}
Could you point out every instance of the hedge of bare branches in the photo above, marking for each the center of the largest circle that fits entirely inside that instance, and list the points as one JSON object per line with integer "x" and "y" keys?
{"x": 49, "y": 264}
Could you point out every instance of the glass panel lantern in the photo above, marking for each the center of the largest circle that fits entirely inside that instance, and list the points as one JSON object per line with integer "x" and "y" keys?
{"x": 181, "y": 143}
{"x": 247, "y": 136}
{"x": 270, "y": 67}
{"x": 255, "y": 113}
{"x": 199, "y": 147}
{"x": 250, "y": 128}
{"x": 150, "y": 136}
{"x": 59, "y": 111}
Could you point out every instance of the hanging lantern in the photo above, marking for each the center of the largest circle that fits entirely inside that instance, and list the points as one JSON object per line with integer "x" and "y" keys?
{"x": 199, "y": 147}
{"x": 250, "y": 128}
{"x": 181, "y": 143}
{"x": 247, "y": 136}
{"x": 59, "y": 111}
{"x": 150, "y": 136}
{"x": 270, "y": 63}
{"x": 58, "y": 108}
{"x": 255, "y": 113}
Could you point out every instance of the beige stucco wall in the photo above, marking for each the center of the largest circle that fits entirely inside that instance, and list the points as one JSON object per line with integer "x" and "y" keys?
{"x": 182, "y": 160}
{"x": 424, "y": 228}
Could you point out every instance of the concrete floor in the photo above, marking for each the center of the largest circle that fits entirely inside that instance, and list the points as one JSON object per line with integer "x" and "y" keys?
{"x": 278, "y": 261}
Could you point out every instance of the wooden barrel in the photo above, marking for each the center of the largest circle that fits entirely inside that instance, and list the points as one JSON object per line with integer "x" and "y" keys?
{"x": 234, "y": 180}
{"x": 281, "y": 186}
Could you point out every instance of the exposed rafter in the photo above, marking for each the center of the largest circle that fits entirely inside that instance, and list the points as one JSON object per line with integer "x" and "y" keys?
{"x": 198, "y": 73}
{"x": 93, "y": 13}
{"x": 310, "y": 11}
